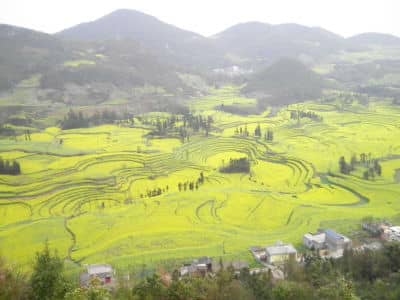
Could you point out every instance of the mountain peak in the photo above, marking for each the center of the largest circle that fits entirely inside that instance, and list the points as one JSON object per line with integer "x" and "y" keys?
{"x": 128, "y": 24}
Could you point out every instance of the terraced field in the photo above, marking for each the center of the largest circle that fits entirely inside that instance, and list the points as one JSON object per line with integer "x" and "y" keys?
{"x": 87, "y": 196}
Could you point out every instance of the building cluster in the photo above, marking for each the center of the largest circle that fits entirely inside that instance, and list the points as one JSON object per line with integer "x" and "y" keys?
{"x": 327, "y": 243}
{"x": 207, "y": 266}
{"x": 384, "y": 231}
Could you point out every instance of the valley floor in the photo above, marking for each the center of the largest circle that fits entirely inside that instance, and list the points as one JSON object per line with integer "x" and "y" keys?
{"x": 88, "y": 195}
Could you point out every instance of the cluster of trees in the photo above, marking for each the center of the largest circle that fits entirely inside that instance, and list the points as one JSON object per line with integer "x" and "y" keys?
{"x": 75, "y": 120}
{"x": 194, "y": 123}
{"x": 243, "y": 131}
{"x": 268, "y": 136}
{"x": 368, "y": 275}
{"x": 27, "y": 134}
{"x": 242, "y": 110}
{"x": 373, "y": 167}
{"x": 19, "y": 121}
{"x": 7, "y": 131}
{"x": 198, "y": 122}
{"x": 240, "y": 165}
{"x": 155, "y": 192}
{"x": 376, "y": 169}
{"x": 299, "y": 114}
{"x": 162, "y": 127}
{"x": 188, "y": 123}
{"x": 9, "y": 167}
{"x": 191, "y": 185}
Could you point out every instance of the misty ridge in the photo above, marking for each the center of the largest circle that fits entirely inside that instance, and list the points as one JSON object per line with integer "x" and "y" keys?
{"x": 128, "y": 49}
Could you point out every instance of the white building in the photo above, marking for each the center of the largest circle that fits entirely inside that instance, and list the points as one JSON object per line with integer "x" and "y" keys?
{"x": 336, "y": 241}
{"x": 280, "y": 253}
{"x": 315, "y": 241}
{"x": 104, "y": 273}
{"x": 328, "y": 243}
{"x": 391, "y": 234}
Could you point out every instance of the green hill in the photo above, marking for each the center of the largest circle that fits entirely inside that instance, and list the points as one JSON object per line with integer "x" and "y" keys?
{"x": 286, "y": 81}
{"x": 265, "y": 43}
{"x": 94, "y": 70}
{"x": 24, "y": 52}
{"x": 172, "y": 43}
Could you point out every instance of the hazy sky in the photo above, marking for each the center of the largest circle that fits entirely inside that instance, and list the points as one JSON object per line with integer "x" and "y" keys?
{"x": 345, "y": 17}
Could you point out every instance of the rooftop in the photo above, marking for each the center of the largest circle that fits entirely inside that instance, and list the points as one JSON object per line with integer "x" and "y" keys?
{"x": 319, "y": 237}
{"x": 395, "y": 229}
{"x": 281, "y": 250}
{"x": 99, "y": 269}
{"x": 335, "y": 235}
{"x": 203, "y": 261}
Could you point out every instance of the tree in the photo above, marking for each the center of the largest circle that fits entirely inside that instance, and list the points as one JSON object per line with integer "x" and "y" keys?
{"x": 292, "y": 291}
{"x": 270, "y": 135}
{"x": 201, "y": 178}
{"x": 179, "y": 290}
{"x": 363, "y": 158}
{"x": 47, "y": 280}
{"x": 353, "y": 162}
{"x": 377, "y": 168}
{"x": 343, "y": 166}
{"x": 95, "y": 291}
{"x": 150, "y": 288}
{"x": 240, "y": 165}
{"x": 9, "y": 167}
{"x": 257, "y": 131}
{"x": 13, "y": 284}
{"x": 392, "y": 252}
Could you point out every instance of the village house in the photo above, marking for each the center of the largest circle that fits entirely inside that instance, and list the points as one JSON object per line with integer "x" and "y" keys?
{"x": 205, "y": 266}
{"x": 374, "y": 229}
{"x": 316, "y": 241}
{"x": 280, "y": 253}
{"x": 336, "y": 241}
{"x": 391, "y": 233}
{"x": 328, "y": 243}
{"x": 199, "y": 267}
{"x": 104, "y": 273}
{"x": 259, "y": 254}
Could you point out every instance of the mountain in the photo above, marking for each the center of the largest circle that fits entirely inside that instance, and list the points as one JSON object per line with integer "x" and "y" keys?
{"x": 82, "y": 72}
{"x": 122, "y": 24}
{"x": 24, "y": 52}
{"x": 110, "y": 66}
{"x": 265, "y": 43}
{"x": 375, "y": 39}
{"x": 167, "y": 41}
{"x": 253, "y": 45}
{"x": 284, "y": 82}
